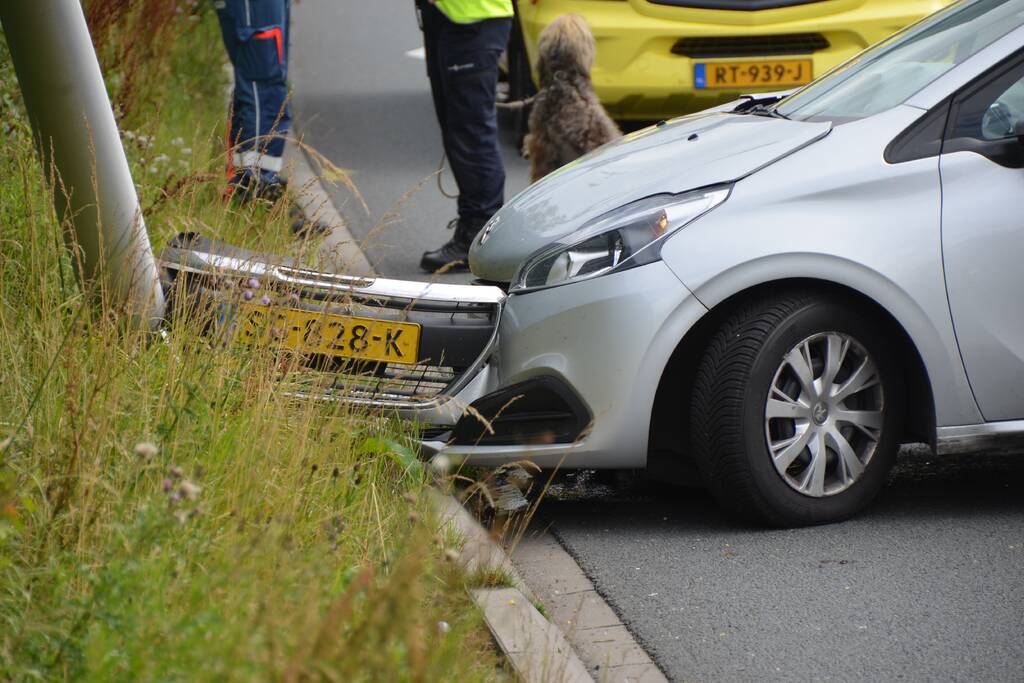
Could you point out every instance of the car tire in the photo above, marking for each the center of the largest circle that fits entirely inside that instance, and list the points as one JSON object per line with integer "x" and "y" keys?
{"x": 777, "y": 385}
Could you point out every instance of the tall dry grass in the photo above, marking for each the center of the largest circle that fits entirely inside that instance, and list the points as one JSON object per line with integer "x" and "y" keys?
{"x": 131, "y": 36}
{"x": 167, "y": 510}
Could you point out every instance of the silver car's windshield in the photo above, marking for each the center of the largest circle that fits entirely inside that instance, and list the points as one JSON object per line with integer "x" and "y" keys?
{"x": 892, "y": 71}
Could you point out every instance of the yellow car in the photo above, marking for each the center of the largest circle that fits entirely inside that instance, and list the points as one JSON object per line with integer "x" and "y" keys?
{"x": 662, "y": 58}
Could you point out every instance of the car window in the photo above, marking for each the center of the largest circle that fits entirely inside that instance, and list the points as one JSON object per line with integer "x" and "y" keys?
{"x": 894, "y": 70}
{"x": 987, "y": 117}
{"x": 1002, "y": 117}
{"x": 993, "y": 111}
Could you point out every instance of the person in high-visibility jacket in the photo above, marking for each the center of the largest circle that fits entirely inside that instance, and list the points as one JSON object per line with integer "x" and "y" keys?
{"x": 464, "y": 40}
{"x": 256, "y": 36}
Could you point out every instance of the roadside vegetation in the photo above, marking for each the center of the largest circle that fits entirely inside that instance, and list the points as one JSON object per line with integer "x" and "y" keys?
{"x": 167, "y": 510}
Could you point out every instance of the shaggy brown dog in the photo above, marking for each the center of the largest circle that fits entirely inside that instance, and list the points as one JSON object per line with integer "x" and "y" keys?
{"x": 567, "y": 120}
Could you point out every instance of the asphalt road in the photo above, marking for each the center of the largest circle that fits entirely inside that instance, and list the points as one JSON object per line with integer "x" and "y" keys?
{"x": 361, "y": 97}
{"x": 928, "y": 585}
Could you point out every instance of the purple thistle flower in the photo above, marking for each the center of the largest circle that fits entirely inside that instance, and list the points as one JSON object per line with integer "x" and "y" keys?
{"x": 247, "y": 296}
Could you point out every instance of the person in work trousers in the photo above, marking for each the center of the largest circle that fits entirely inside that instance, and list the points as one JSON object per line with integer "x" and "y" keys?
{"x": 256, "y": 36}
{"x": 464, "y": 40}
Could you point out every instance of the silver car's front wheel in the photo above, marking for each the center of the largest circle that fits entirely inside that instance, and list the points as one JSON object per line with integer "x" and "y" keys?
{"x": 823, "y": 414}
{"x": 796, "y": 408}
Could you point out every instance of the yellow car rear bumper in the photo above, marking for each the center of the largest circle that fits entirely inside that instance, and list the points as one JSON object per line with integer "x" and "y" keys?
{"x": 637, "y": 75}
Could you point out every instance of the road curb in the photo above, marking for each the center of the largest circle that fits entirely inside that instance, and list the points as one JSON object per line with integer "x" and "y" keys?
{"x": 479, "y": 550}
{"x": 339, "y": 252}
{"x": 603, "y": 642}
{"x": 535, "y": 646}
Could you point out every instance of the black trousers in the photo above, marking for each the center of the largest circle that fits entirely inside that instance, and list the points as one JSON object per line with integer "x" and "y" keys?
{"x": 462, "y": 63}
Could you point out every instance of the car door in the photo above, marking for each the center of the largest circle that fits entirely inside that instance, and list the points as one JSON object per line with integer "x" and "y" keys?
{"x": 982, "y": 170}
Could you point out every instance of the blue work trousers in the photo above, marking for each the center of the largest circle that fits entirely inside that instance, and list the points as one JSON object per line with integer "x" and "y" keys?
{"x": 256, "y": 36}
{"x": 462, "y": 63}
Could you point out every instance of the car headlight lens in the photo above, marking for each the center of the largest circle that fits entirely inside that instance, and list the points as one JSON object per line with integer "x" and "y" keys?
{"x": 625, "y": 237}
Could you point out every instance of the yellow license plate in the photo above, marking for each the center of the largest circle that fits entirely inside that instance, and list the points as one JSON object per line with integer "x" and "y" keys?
{"x": 329, "y": 334}
{"x": 733, "y": 75}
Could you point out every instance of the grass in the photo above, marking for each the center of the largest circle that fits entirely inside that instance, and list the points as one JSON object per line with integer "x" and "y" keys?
{"x": 167, "y": 512}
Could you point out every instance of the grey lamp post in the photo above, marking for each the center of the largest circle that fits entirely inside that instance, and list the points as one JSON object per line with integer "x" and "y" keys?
{"x": 79, "y": 145}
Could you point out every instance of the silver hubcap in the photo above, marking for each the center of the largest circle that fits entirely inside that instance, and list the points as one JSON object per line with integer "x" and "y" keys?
{"x": 824, "y": 414}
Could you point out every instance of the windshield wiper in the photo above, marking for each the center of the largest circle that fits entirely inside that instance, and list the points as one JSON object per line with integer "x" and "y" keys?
{"x": 765, "y": 110}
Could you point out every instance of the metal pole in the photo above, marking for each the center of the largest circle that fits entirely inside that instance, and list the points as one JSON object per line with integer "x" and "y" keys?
{"x": 80, "y": 148}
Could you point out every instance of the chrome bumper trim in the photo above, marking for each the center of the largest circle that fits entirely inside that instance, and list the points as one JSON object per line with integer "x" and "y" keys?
{"x": 411, "y": 290}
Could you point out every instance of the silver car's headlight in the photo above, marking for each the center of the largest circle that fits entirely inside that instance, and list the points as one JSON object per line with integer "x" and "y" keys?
{"x": 623, "y": 238}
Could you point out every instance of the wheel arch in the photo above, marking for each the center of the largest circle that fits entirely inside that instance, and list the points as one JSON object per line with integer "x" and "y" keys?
{"x": 673, "y": 395}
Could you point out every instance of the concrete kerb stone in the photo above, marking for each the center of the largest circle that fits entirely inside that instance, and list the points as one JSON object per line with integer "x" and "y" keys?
{"x": 479, "y": 549}
{"x": 536, "y": 647}
{"x": 339, "y": 251}
{"x": 597, "y": 633}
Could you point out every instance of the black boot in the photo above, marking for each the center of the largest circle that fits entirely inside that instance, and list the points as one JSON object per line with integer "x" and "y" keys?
{"x": 249, "y": 184}
{"x": 302, "y": 227}
{"x": 455, "y": 252}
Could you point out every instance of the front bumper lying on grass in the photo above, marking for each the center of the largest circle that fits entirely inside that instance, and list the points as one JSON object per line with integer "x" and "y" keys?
{"x": 458, "y": 324}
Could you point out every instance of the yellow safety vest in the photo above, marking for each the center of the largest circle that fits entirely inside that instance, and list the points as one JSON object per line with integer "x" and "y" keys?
{"x": 469, "y": 11}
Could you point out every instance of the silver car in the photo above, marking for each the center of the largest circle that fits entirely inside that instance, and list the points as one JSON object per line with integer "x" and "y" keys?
{"x": 778, "y": 292}
{"x": 781, "y": 290}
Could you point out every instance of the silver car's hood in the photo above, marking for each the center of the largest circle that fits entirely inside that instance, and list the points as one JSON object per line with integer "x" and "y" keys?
{"x": 673, "y": 157}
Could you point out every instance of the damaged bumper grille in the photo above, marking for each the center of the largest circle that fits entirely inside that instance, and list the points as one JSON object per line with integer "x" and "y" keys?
{"x": 457, "y": 323}
{"x": 393, "y": 385}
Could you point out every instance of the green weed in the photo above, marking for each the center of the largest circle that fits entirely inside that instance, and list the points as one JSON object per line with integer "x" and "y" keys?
{"x": 167, "y": 511}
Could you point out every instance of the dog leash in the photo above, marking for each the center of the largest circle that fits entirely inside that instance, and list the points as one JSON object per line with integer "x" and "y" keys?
{"x": 440, "y": 181}
{"x": 518, "y": 104}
